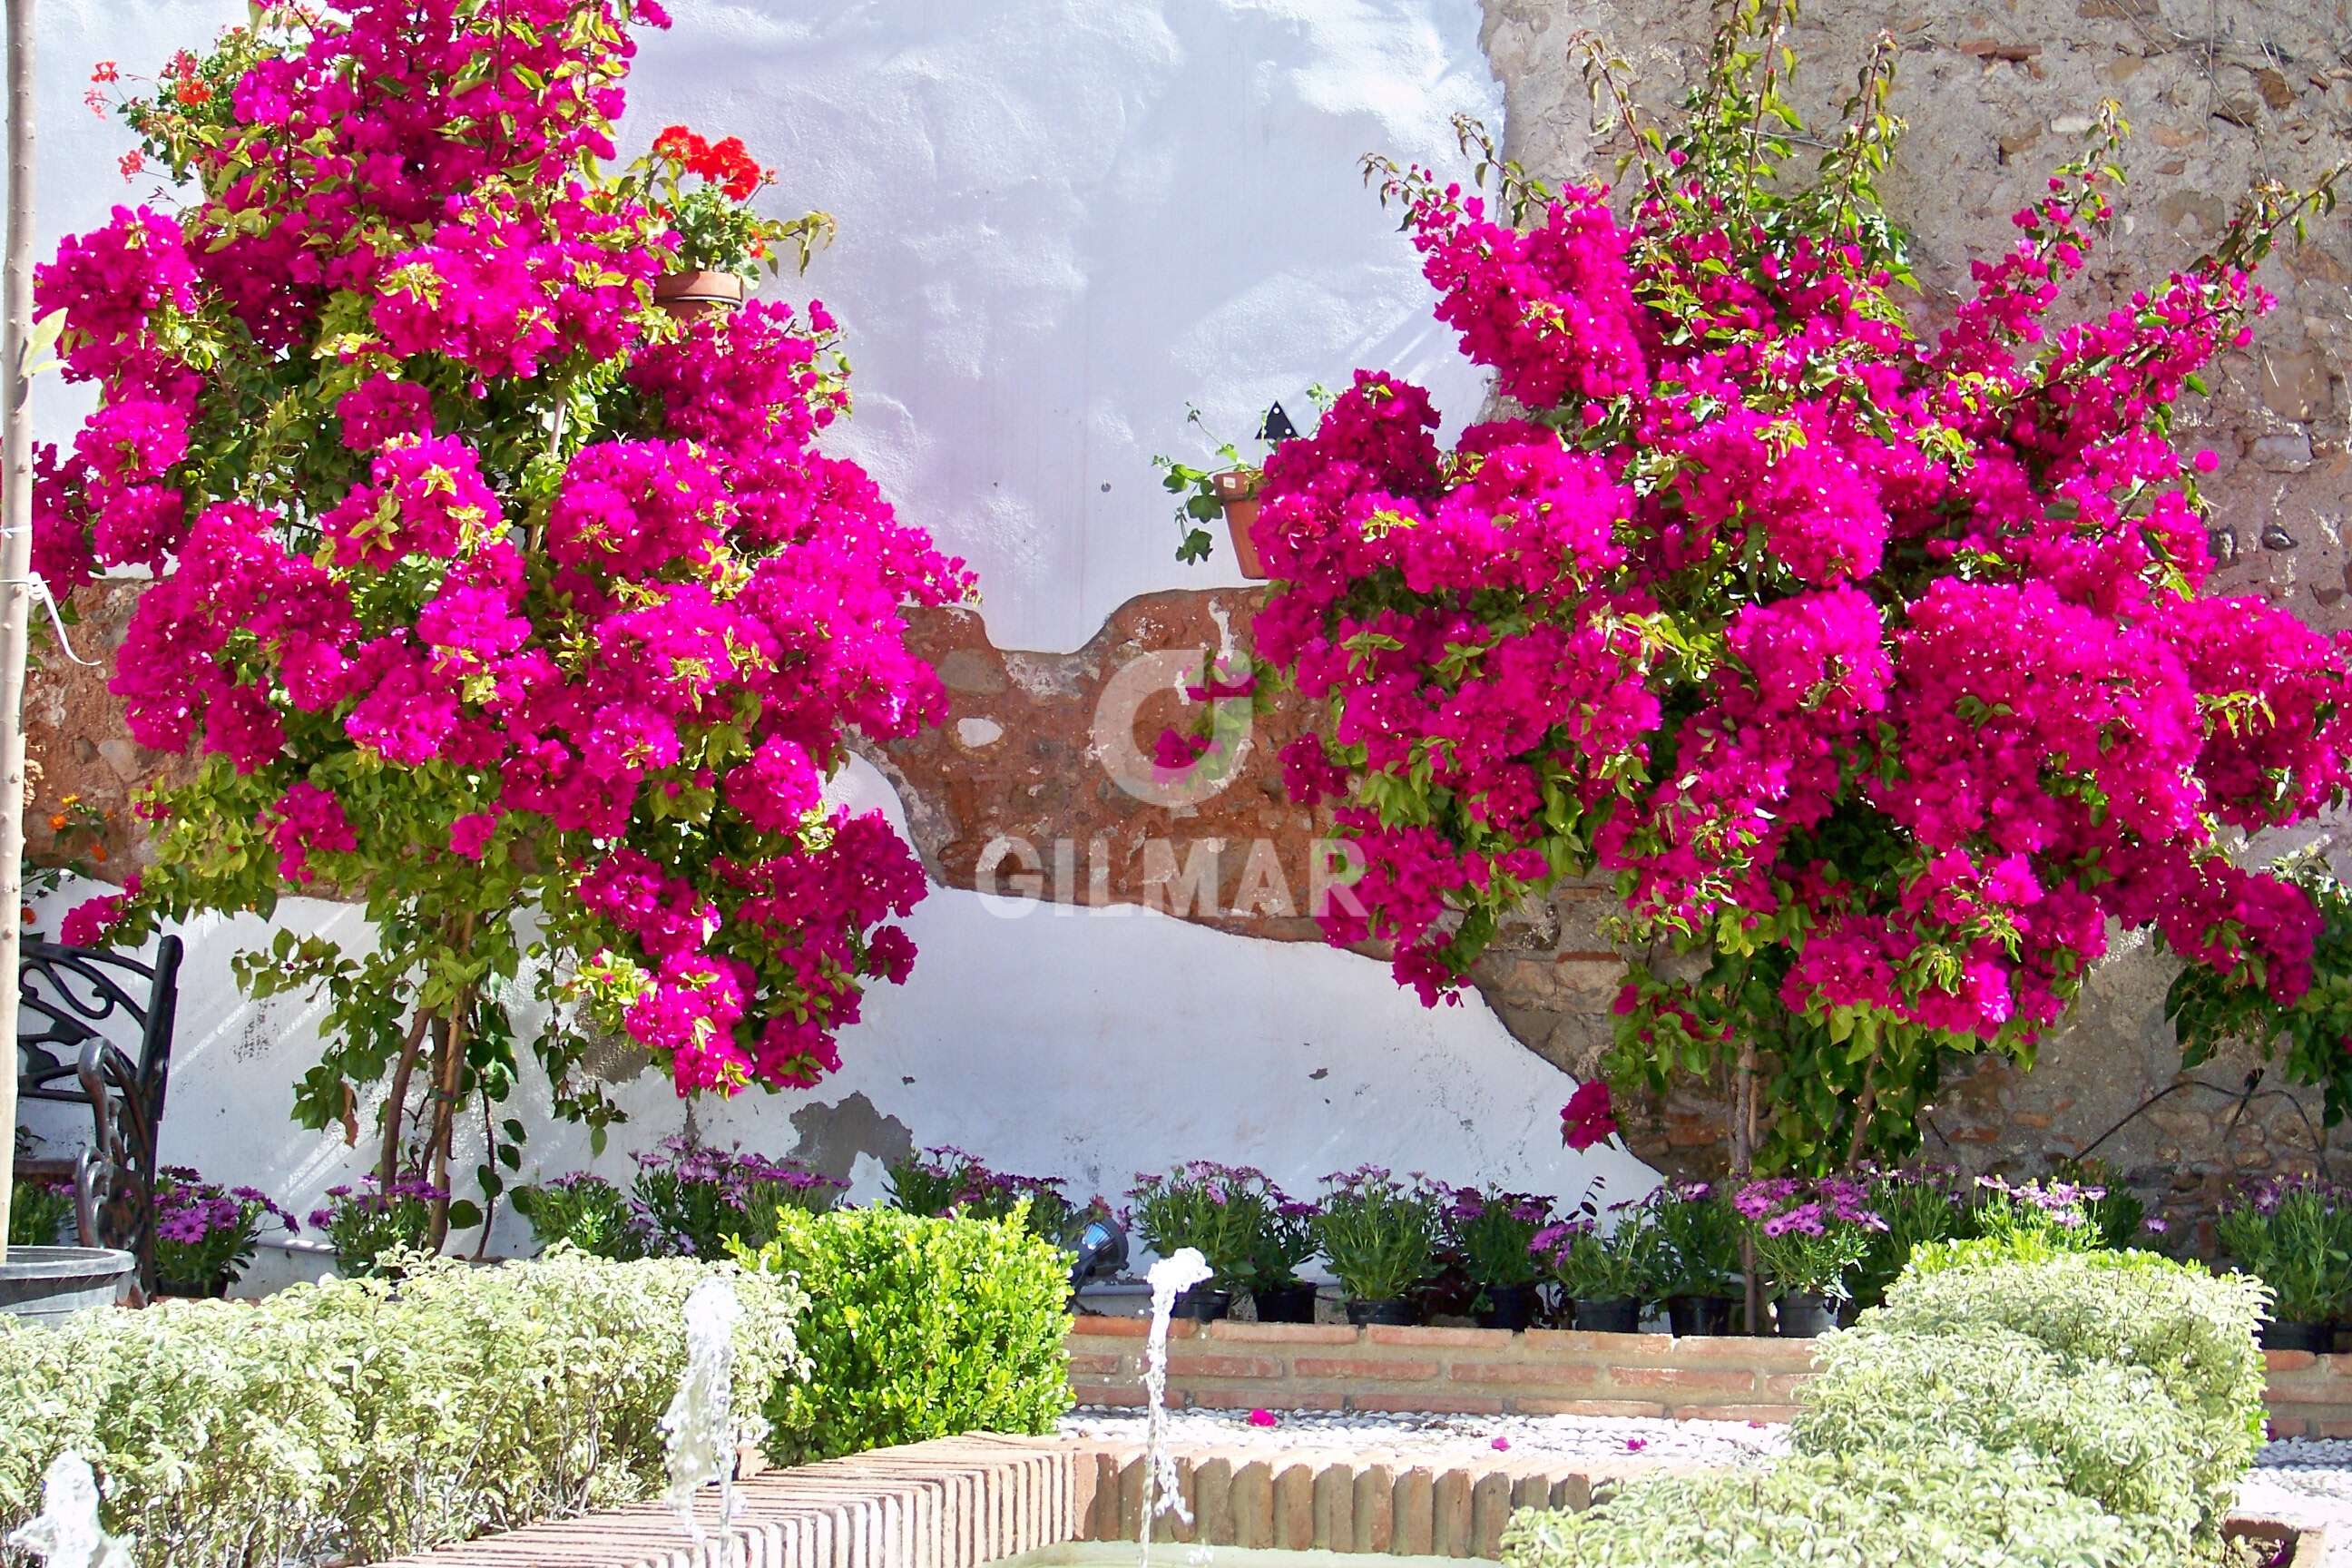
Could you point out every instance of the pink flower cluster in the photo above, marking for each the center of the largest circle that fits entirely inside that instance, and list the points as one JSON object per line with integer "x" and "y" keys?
{"x": 561, "y": 589}
{"x": 1883, "y": 652}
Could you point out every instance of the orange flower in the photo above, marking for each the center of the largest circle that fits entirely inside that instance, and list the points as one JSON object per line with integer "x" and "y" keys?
{"x": 104, "y": 71}
{"x": 56, "y": 822}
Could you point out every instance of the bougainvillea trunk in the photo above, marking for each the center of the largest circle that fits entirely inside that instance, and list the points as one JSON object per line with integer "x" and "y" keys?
{"x": 16, "y": 557}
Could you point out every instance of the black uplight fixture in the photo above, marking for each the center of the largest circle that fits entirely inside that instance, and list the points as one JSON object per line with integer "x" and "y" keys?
{"x": 1100, "y": 1251}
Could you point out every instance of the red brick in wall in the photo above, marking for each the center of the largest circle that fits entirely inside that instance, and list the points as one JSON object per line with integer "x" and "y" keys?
{"x": 1545, "y": 1372}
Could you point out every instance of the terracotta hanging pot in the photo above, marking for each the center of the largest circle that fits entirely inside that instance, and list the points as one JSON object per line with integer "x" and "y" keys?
{"x": 692, "y": 296}
{"x": 1237, "y": 493}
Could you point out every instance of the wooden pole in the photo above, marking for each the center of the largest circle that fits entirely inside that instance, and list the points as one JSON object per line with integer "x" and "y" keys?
{"x": 15, "y": 559}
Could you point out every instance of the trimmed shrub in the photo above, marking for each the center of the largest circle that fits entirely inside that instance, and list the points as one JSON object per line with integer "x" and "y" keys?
{"x": 917, "y": 1327}
{"x": 347, "y": 1420}
{"x": 1865, "y": 1510}
{"x": 2014, "y": 1405}
{"x": 2191, "y": 1329}
{"x": 2108, "y": 1431}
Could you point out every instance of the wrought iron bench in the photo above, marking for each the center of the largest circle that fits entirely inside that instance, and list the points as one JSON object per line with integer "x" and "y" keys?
{"x": 67, "y": 998}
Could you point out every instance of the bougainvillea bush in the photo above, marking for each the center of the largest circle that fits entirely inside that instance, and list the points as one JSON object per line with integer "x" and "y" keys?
{"x": 485, "y": 592}
{"x": 1869, "y": 659}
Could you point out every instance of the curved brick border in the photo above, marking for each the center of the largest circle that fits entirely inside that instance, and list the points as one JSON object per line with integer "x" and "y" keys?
{"x": 960, "y": 1503}
{"x": 957, "y": 1502}
{"x": 963, "y": 1502}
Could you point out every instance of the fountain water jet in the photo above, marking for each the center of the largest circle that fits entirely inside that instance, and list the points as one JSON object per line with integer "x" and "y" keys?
{"x": 700, "y": 1418}
{"x": 67, "y": 1533}
{"x": 1171, "y": 1276}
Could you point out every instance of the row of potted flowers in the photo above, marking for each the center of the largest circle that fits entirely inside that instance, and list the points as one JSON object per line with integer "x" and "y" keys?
{"x": 1400, "y": 1249}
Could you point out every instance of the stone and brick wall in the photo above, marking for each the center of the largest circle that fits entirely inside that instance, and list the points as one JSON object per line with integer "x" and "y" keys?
{"x": 1489, "y": 1372}
{"x": 2221, "y": 91}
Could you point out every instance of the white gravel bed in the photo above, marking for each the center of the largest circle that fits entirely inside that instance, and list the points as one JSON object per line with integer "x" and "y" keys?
{"x": 2302, "y": 1480}
{"x": 2307, "y": 1481}
{"x": 1570, "y": 1436}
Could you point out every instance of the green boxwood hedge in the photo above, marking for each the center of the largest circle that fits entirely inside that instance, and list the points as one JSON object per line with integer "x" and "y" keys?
{"x": 917, "y": 1327}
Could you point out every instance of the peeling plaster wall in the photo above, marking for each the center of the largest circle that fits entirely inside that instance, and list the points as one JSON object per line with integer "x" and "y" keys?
{"x": 1061, "y": 220}
{"x": 1053, "y": 1039}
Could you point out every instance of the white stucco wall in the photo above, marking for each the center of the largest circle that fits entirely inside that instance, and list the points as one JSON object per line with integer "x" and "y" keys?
{"x": 1061, "y": 220}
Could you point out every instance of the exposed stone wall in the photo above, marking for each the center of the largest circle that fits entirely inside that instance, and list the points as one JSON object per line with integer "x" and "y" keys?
{"x": 1035, "y": 775}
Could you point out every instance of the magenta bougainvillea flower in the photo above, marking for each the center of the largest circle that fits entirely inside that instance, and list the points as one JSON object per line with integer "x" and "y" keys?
{"x": 1587, "y": 1118}
{"x": 1869, "y": 662}
{"x": 482, "y": 586}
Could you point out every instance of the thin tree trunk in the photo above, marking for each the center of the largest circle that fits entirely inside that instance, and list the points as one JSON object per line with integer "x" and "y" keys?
{"x": 395, "y": 1104}
{"x": 1863, "y": 1109}
{"x": 448, "y": 1077}
{"x": 16, "y": 557}
{"x": 1743, "y": 1165}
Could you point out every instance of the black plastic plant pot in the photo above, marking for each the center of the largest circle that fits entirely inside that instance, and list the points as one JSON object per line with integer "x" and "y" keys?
{"x": 1804, "y": 1315}
{"x": 1394, "y": 1311}
{"x": 2316, "y": 1338}
{"x": 45, "y": 1284}
{"x": 1688, "y": 1316}
{"x": 1511, "y": 1307}
{"x": 1293, "y": 1303}
{"x": 1622, "y": 1315}
{"x": 1202, "y": 1304}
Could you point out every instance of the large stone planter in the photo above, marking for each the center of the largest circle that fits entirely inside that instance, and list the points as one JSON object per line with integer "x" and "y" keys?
{"x": 42, "y": 1284}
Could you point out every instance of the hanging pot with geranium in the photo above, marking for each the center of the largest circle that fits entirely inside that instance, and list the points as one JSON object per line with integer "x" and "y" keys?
{"x": 720, "y": 242}
{"x": 1228, "y": 488}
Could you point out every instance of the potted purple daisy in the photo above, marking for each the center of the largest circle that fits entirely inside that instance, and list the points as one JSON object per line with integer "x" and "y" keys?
{"x": 1214, "y": 1208}
{"x": 1285, "y": 1239}
{"x": 205, "y": 1234}
{"x": 1490, "y": 1233}
{"x": 690, "y": 1199}
{"x": 366, "y": 1223}
{"x": 1808, "y": 1236}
